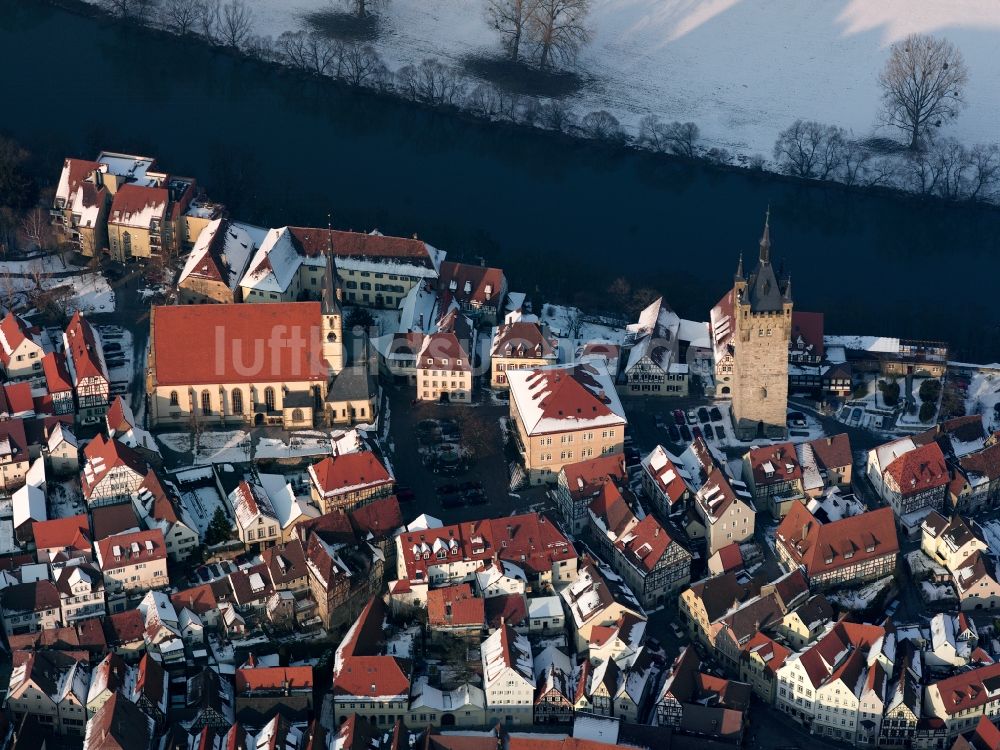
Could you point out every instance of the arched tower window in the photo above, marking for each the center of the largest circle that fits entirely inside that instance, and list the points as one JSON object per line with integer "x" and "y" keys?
{"x": 269, "y": 398}
{"x": 206, "y": 402}
{"x": 237, "y": 402}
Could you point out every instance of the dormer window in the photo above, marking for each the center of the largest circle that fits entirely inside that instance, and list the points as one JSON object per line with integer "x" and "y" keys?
{"x": 458, "y": 363}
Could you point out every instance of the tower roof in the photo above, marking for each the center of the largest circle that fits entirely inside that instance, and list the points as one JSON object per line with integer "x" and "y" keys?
{"x": 763, "y": 292}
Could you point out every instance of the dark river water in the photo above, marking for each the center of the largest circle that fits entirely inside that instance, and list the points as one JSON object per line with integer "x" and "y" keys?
{"x": 561, "y": 217}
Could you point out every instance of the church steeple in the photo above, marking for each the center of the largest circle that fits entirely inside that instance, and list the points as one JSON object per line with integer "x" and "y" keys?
{"x": 788, "y": 288}
{"x": 739, "y": 275}
{"x": 765, "y": 239}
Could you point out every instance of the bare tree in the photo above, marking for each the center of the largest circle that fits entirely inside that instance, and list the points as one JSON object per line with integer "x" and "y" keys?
{"x": 809, "y": 149}
{"x": 510, "y": 18}
{"x": 260, "y": 47}
{"x": 557, "y": 29}
{"x": 682, "y": 138}
{"x": 557, "y": 115}
{"x": 602, "y": 125}
{"x": 314, "y": 53}
{"x": 210, "y": 19}
{"x": 985, "y": 173}
{"x": 484, "y": 100}
{"x": 952, "y": 165}
{"x": 854, "y": 162}
{"x": 437, "y": 83}
{"x": 922, "y": 85}
{"x": 362, "y": 8}
{"x": 235, "y": 23}
{"x": 181, "y": 16}
{"x": 652, "y": 133}
{"x": 131, "y": 10}
{"x": 361, "y": 63}
{"x": 36, "y": 228}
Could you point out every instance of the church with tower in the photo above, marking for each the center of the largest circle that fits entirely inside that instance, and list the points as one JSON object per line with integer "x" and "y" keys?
{"x": 751, "y": 331}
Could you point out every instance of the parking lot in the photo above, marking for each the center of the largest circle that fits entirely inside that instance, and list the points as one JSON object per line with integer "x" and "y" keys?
{"x": 449, "y": 460}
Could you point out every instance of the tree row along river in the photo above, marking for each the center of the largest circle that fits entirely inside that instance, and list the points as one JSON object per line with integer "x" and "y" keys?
{"x": 561, "y": 217}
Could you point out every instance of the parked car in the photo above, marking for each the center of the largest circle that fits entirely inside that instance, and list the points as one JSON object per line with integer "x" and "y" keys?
{"x": 660, "y": 423}
{"x": 716, "y": 414}
{"x": 678, "y": 417}
{"x": 632, "y": 457}
{"x": 692, "y": 417}
{"x": 675, "y": 435}
{"x": 696, "y": 431}
{"x": 796, "y": 419}
{"x": 476, "y": 497}
{"x": 685, "y": 433}
{"x": 720, "y": 432}
{"x": 405, "y": 494}
{"x": 703, "y": 415}
{"x": 452, "y": 501}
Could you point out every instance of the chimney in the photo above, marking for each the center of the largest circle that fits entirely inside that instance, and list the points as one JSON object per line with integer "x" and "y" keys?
{"x": 656, "y": 531}
{"x": 805, "y": 529}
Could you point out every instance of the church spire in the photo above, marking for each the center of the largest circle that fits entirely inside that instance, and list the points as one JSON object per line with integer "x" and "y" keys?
{"x": 765, "y": 240}
{"x": 739, "y": 270}
{"x": 788, "y": 288}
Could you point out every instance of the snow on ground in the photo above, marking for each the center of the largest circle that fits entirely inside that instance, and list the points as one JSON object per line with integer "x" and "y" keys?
{"x": 200, "y": 505}
{"x": 570, "y": 323}
{"x": 983, "y": 397}
{"x": 65, "y": 497}
{"x": 298, "y": 446}
{"x": 44, "y": 264}
{"x": 920, "y": 564}
{"x": 91, "y": 292}
{"x": 936, "y": 592}
{"x": 860, "y": 598}
{"x": 742, "y": 70}
{"x": 401, "y": 643}
{"x": 213, "y": 447}
{"x": 991, "y": 530}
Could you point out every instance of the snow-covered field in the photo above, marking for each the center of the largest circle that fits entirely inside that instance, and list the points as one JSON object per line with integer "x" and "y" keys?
{"x": 742, "y": 70}
{"x": 200, "y": 505}
{"x": 90, "y": 291}
{"x": 983, "y": 396}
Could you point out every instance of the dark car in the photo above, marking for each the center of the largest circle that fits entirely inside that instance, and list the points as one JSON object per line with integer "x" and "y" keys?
{"x": 703, "y": 415}
{"x": 632, "y": 457}
{"x": 716, "y": 414}
{"x": 452, "y": 501}
{"x": 675, "y": 435}
{"x": 476, "y": 497}
{"x": 660, "y": 424}
{"x": 685, "y": 433}
{"x": 720, "y": 432}
{"x": 696, "y": 431}
{"x": 679, "y": 417}
{"x": 405, "y": 494}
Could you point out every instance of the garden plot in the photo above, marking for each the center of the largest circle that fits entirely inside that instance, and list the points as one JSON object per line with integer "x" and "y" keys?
{"x": 232, "y": 446}
{"x": 200, "y": 504}
{"x": 860, "y": 598}
{"x": 65, "y": 497}
{"x": 573, "y": 324}
{"x": 983, "y": 398}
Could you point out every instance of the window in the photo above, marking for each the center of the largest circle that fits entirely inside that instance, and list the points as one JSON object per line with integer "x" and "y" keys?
{"x": 174, "y": 401}
{"x": 206, "y": 402}
{"x": 269, "y": 398}
{"x": 127, "y": 244}
{"x": 237, "y": 402}
{"x": 297, "y": 415}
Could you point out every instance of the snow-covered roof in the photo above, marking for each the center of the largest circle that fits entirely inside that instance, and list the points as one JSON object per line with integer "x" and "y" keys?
{"x": 288, "y": 508}
{"x": 423, "y": 522}
{"x": 29, "y": 505}
{"x": 565, "y": 397}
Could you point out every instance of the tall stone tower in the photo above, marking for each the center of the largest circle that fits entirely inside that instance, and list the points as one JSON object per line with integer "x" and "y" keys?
{"x": 333, "y": 317}
{"x": 762, "y": 308}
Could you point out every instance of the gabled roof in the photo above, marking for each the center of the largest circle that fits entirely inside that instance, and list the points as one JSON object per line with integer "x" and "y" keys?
{"x": 850, "y": 541}
{"x": 199, "y": 599}
{"x": 137, "y": 206}
{"x": 832, "y": 452}
{"x": 771, "y": 464}
{"x": 455, "y": 606}
{"x": 220, "y": 254}
{"x": 469, "y": 284}
{"x": 507, "y": 649}
{"x": 14, "y": 330}
{"x": 920, "y": 469}
{"x": 13, "y": 443}
{"x": 645, "y": 545}
{"x": 130, "y": 549}
{"x": 101, "y": 456}
{"x": 968, "y": 690}
{"x": 57, "y": 377}
{"x": 72, "y": 532}
{"x": 336, "y": 475}
{"x": 183, "y": 355}
{"x": 84, "y": 353}
{"x": 522, "y": 339}
{"x": 716, "y": 495}
{"x": 74, "y": 172}
{"x": 669, "y": 478}
{"x": 124, "y": 627}
{"x": 371, "y": 677}
{"x": 985, "y": 463}
{"x": 509, "y": 608}
{"x": 565, "y": 397}
{"x": 256, "y": 680}
{"x": 585, "y": 478}
{"x": 107, "y": 520}
{"x": 807, "y": 333}
{"x": 34, "y": 596}
{"x": 377, "y": 519}
{"x": 119, "y": 725}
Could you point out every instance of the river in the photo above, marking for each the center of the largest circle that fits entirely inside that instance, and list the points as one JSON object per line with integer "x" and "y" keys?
{"x": 560, "y": 216}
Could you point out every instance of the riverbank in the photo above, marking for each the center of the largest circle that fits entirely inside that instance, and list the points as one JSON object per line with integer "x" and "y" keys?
{"x": 562, "y": 216}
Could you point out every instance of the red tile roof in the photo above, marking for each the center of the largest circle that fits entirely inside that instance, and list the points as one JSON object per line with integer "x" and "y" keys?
{"x": 371, "y": 676}
{"x": 262, "y": 679}
{"x": 524, "y": 339}
{"x": 18, "y": 398}
{"x": 470, "y": 284}
{"x": 76, "y": 171}
{"x": 509, "y": 608}
{"x": 208, "y": 344}
{"x": 585, "y": 478}
{"x": 118, "y": 417}
{"x": 314, "y": 242}
{"x": 131, "y": 202}
{"x": 610, "y": 508}
{"x": 72, "y": 532}
{"x": 832, "y": 452}
{"x": 350, "y": 471}
{"x": 772, "y": 652}
{"x": 12, "y": 431}
{"x": 378, "y": 518}
{"x": 14, "y": 330}
{"x": 200, "y": 599}
{"x": 149, "y": 680}
{"x": 441, "y": 346}
{"x": 730, "y": 557}
{"x": 850, "y": 541}
{"x": 665, "y": 475}
{"x": 969, "y": 689}
{"x": 124, "y": 627}
{"x": 57, "y": 378}
{"x": 772, "y": 464}
{"x": 132, "y": 549}
{"x": 645, "y": 545}
{"x": 113, "y": 519}
{"x": 985, "y": 462}
{"x": 455, "y": 606}
{"x": 567, "y": 394}
{"x": 101, "y": 456}
{"x": 83, "y": 347}
{"x": 807, "y": 333}
{"x": 918, "y": 470}
{"x": 530, "y": 535}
